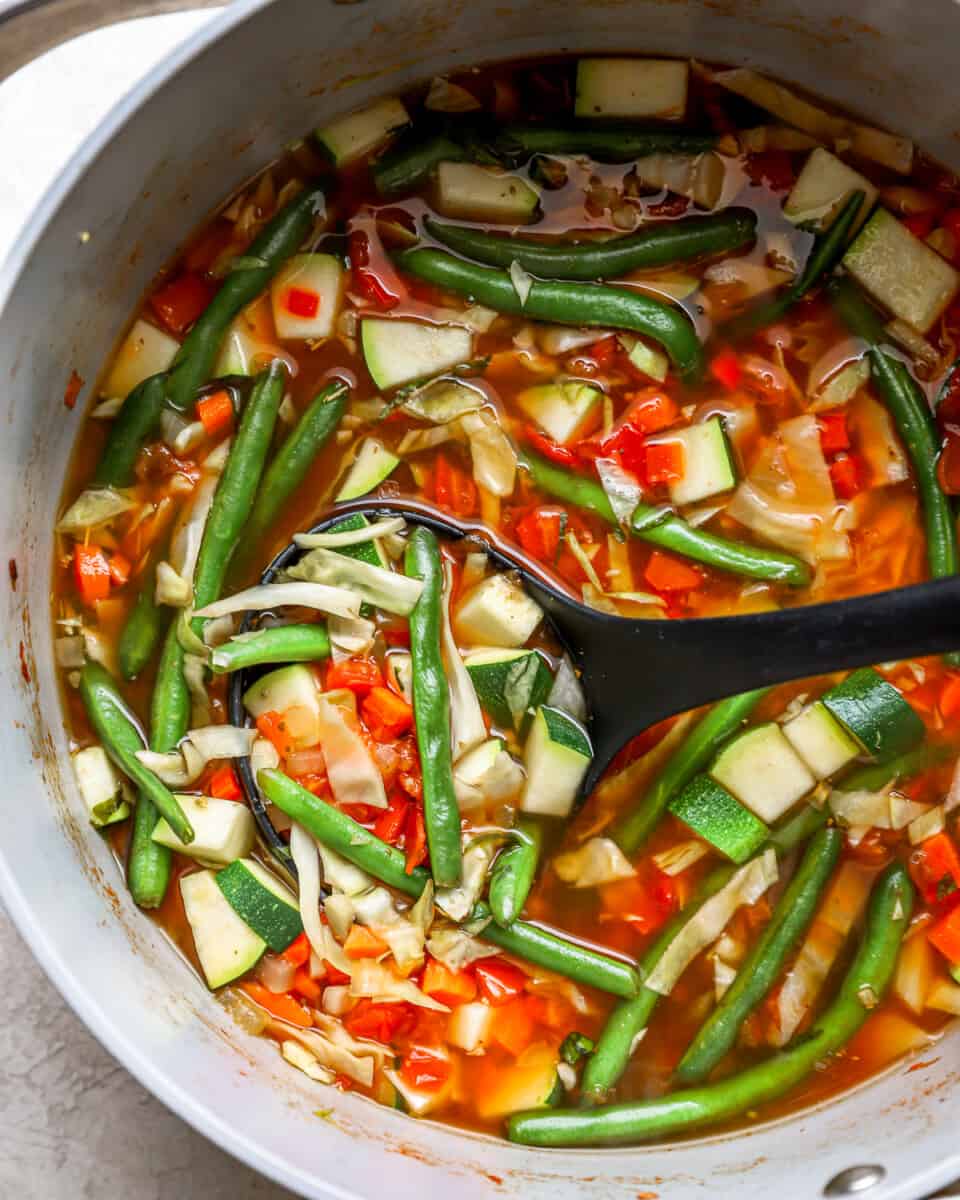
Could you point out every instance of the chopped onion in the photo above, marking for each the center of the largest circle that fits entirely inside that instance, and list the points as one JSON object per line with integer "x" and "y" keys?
{"x": 708, "y": 922}
{"x": 599, "y": 860}
{"x": 915, "y": 972}
{"x": 350, "y": 537}
{"x": 276, "y": 973}
{"x": 106, "y": 410}
{"x": 522, "y": 281}
{"x": 338, "y": 601}
{"x": 94, "y": 507}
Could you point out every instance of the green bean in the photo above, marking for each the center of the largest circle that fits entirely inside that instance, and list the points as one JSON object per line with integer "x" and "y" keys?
{"x": 514, "y": 870}
{"x": 138, "y": 418}
{"x": 672, "y": 532}
{"x": 654, "y": 245}
{"x": 627, "y": 1022}
{"x": 864, "y": 985}
{"x": 342, "y": 833}
{"x": 238, "y": 486}
{"x": 294, "y": 458}
{"x": 142, "y": 629}
{"x": 121, "y": 738}
{"x": 760, "y": 969}
{"x": 149, "y": 864}
{"x": 574, "y": 961}
{"x": 911, "y": 414}
{"x": 431, "y": 707}
{"x": 365, "y": 850}
{"x": 410, "y": 162}
{"x": 282, "y": 644}
{"x": 632, "y": 828}
{"x": 565, "y": 303}
{"x": 827, "y": 251}
{"x": 874, "y": 776}
{"x": 603, "y": 143}
{"x": 280, "y": 237}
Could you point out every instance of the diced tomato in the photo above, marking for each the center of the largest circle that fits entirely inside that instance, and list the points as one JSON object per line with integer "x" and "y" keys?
{"x": 920, "y": 224}
{"x": 298, "y": 952}
{"x": 513, "y": 1026}
{"x": 415, "y": 839}
{"x": 628, "y": 445}
{"x": 216, "y": 413}
{"x": 948, "y": 464}
{"x": 272, "y": 726}
{"x": 664, "y": 463}
{"x": 935, "y": 868}
{"x": 772, "y": 167}
{"x": 333, "y": 975}
{"x": 945, "y": 936}
{"x": 425, "y": 1069}
{"x": 834, "y": 435}
{"x": 449, "y": 987}
{"x": 180, "y": 302}
{"x": 120, "y": 568}
{"x": 314, "y": 782}
{"x": 673, "y": 205}
{"x": 392, "y": 820}
{"x": 951, "y": 222}
{"x": 363, "y": 943}
{"x": 380, "y": 1022}
{"x": 282, "y": 1006}
{"x": 646, "y": 900}
{"x": 949, "y": 703}
{"x": 548, "y": 448}
{"x": 665, "y": 573}
{"x": 91, "y": 570}
{"x": 371, "y": 283}
{"x": 499, "y": 981}
{"x": 650, "y": 410}
{"x": 306, "y": 986}
{"x": 386, "y": 714}
{"x": 848, "y": 474}
{"x": 539, "y": 532}
{"x": 605, "y": 351}
{"x": 725, "y": 367}
{"x": 224, "y": 785}
{"x": 358, "y": 675}
{"x": 301, "y": 302}
{"x": 453, "y": 488}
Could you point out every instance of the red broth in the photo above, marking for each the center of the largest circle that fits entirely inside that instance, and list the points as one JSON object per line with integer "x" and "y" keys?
{"x": 804, "y": 458}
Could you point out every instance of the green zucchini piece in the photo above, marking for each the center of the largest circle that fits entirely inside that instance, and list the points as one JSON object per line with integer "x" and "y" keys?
{"x": 509, "y": 683}
{"x": 262, "y": 901}
{"x": 226, "y": 946}
{"x": 556, "y": 757}
{"x": 875, "y": 714}
{"x": 763, "y": 771}
{"x": 719, "y": 818}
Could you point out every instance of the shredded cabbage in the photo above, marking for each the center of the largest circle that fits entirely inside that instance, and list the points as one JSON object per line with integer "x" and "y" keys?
{"x": 350, "y": 537}
{"x": 492, "y": 453}
{"x": 567, "y": 691}
{"x": 350, "y": 636}
{"x": 334, "y": 600}
{"x": 385, "y": 589}
{"x": 622, "y": 488}
{"x": 467, "y": 726}
{"x": 599, "y": 860}
{"x": 172, "y": 588}
{"x": 457, "y": 902}
{"x": 94, "y": 507}
{"x": 456, "y": 948}
{"x": 374, "y": 981}
{"x": 303, "y": 850}
{"x": 443, "y": 400}
{"x": 351, "y": 771}
{"x": 300, "y": 1057}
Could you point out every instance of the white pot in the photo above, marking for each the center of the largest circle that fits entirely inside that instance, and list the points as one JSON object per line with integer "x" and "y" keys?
{"x": 205, "y": 120}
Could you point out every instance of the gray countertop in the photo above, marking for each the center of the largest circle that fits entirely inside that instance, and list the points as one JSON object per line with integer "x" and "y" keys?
{"x": 74, "y": 1125}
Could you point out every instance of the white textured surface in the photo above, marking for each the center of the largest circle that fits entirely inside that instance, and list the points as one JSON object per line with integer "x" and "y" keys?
{"x": 73, "y": 1124}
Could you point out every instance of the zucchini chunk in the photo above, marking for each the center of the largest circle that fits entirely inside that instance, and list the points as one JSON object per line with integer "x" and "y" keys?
{"x": 357, "y": 134}
{"x": 398, "y": 352}
{"x": 763, "y": 771}
{"x": 565, "y": 411}
{"x": 285, "y": 689}
{"x": 368, "y": 470}
{"x": 708, "y": 465}
{"x": 101, "y": 786}
{"x": 632, "y": 87}
{"x": 820, "y": 740}
{"x": 224, "y": 830}
{"x": 875, "y": 714}
{"x": 471, "y": 193}
{"x": 509, "y": 683}
{"x": 719, "y": 818}
{"x": 262, "y": 901}
{"x": 822, "y": 188}
{"x": 556, "y": 757}
{"x": 306, "y": 295}
{"x": 497, "y": 612}
{"x": 226, "y": 946}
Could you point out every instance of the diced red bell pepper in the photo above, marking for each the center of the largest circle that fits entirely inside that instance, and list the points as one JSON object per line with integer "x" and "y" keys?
{"x": 380, "y": 1022}
{"x": 302, "y": 302}
{"x": 646, "y": 900}
{"x": 358, "y": 675}
{"x": 298, "y": 952}
{"x": 726, "y": 368}
{"x": 628, "y": 445}
{"x": 664, "y": 462}
{"x": 949, "y": 702}
{"x": 945, "y": 936}
{"x": 772, "y": 167}
{"x": 453, "y": 488}
{"x": 224, "y": 785}
{"x": 425, "y": 1069}
{"x": 935, "y": 868}
{"x": 650, "y": 410}
{"x": 91, "y": 570}
{"x": 920, "y": 224}
{"x": 449, "y": 987}
{"x": 386, "y": 714}
{"x": 547, "y": 448}
{"x": 539, "y": 533}
{"x": 665, "y": 573}
{"x": 372, "y": 284}
{"x": 834, "y": 435}
{"x": 391, "y": 822}
{"x": 848, "y": 474}
{"x": 948, "y": 464}
{"x": 179, "y": 302}
{"x": 415, "y": 839}
{"x": 499, "y": 981}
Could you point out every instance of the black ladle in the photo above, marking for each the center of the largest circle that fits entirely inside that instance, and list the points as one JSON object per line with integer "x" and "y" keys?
{"x": 637, "y": 672}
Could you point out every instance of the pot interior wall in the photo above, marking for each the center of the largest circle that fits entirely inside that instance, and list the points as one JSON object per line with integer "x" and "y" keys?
{"x": 196, "y": 135}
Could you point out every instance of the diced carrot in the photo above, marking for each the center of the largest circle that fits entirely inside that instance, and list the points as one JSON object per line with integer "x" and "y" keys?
{"x": 449, "y": 987}
{"x": 306, "y": 986}
{"x": 357, "y": 674}
{"x": 425, "y": 1069}
{"x": 363, "y": 943}
{"x": 945, "y": 936}
{"x": 272, "y": 726}
{"x": 91, "y": 572}
{"x": 180, "y": 302}
{"x": 726, "y": 369}
{"x": 391, "y": 822}
{"x": 499, "y": 981}
{"x": 665, "y": 573}
{"x": 935, "y": 868}
{"x": 513, "y": 1027}
{"x": 223, "y": 784}
{"x": 215, "y": 413}
{"x": 415, "y": 838}
{"x": 298, "y": 952}
{"x": 302, "y": 302}
{"x": 834, "y": 435}
{"x": 848, "y": 475}
{"x": 120, "y": 568}
{"x": 453, "y": 488}
{"x": 386, "y": 714}
{"x": 950, "y": 697}
{"x": 664, "y": 462}
{"x": 539, "y": 532}
{"x": 282, "y": 1005}
{"x": 381, "y": 1022}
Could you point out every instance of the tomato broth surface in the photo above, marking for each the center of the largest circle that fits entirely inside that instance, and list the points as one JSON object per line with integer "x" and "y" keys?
{"x": 688, "y": 343}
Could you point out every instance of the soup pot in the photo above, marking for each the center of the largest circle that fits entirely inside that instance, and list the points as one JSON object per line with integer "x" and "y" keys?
{"x": 199, "y": 125}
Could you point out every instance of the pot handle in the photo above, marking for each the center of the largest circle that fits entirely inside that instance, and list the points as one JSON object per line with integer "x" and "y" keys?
{"x": 30, "y": 27}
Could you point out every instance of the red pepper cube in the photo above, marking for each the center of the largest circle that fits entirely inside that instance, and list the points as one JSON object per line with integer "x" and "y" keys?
{"x": 300, "y": 302}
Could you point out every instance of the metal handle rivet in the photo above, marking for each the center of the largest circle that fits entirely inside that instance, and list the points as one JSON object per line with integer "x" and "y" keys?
{"x": 855, "y": 1180}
